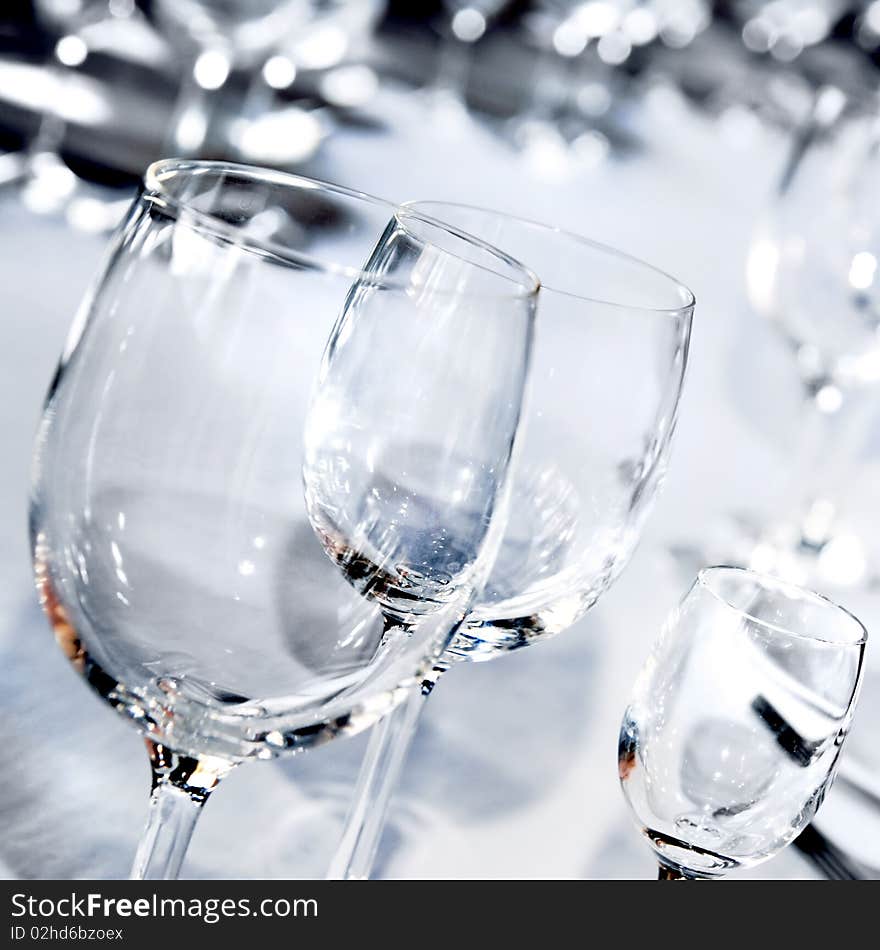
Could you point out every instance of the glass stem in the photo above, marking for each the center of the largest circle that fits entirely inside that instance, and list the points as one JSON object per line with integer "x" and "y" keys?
{"x": 181, "y": 786}
{"x": 548, "y": 90}
{"x": 453, "y": 70}
{"x": 390, "y": 740}
{"x": 831, "y": 438}
{"x": 259, "y": 98}
{"x": 190, "y": 124}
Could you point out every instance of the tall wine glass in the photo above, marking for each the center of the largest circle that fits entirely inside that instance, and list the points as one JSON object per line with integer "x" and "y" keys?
{"x": 732, "y": 736}
{"x": 271, "y": 470}
{"x": 813, "y": 271}
{"x": 608, "y": 365}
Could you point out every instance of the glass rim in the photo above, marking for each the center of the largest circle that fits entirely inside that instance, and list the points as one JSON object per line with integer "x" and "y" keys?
{"x": 523, "y": 282}
{"x": 690, "y": 300}
{"x": 770, "y": 581}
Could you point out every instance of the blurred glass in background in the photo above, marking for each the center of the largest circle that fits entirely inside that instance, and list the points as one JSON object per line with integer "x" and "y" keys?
{"x": 92, "y": 90}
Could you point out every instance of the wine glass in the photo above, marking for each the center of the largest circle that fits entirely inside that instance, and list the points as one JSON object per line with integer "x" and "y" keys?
{"x": 607, "y": 370}
{"x": 245, "y": 29}
{"x": 812, "y": 270}
{"x": 213, "y": 37}
{"x": 271, "y": 472}
{"x": 48, "y": 185}
{"x": 732, "y": 736}
{"x": 271, "y": 40}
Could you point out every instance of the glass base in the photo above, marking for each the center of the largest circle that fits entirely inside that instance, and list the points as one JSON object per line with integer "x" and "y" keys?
{"x": 817, "y": 553}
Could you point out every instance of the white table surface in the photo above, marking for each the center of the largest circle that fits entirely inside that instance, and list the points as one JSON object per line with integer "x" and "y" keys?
{"x": 513, "y": 773}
